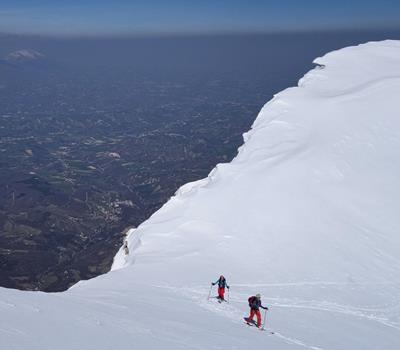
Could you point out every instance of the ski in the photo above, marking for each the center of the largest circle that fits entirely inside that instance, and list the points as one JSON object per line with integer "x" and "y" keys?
{"x": 253, "y": 323}
{"x": 219, "y": 300}
{"x": 261, "y": 328}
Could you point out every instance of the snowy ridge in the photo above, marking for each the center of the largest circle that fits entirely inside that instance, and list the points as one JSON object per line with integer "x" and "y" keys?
{"x": 24, "y": 55}
{"x": 306, "y": 214}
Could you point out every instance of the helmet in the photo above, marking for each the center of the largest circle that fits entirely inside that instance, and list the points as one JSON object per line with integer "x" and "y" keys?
{"x": 258, "y": 296}
{"x": 222, "y": 276}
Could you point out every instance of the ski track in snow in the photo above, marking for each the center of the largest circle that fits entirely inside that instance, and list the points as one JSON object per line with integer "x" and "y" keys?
{"x": 199, "y": 295}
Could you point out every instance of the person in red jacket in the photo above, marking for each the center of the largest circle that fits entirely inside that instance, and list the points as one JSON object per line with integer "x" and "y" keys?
{"x": 221, "y": 287}
{"x": 255, "y": 305}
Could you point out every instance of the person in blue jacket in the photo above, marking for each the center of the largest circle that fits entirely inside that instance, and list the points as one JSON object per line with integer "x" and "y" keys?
{"x": 221, "y": 287}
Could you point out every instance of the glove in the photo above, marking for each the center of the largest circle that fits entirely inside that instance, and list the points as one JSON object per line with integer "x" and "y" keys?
{"x": 228, "y": 287}
{"x": 213, "y": 284}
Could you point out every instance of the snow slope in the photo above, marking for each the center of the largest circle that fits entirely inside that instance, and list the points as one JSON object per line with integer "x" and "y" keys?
{"x": 306, "y": 214}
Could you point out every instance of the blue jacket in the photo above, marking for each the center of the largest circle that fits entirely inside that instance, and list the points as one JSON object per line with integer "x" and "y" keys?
{"x": 221, "y": 283}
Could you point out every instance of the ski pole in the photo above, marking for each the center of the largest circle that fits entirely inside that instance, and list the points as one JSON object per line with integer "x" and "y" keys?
{"x": 265, "y": 319}
{"x": 209, "y": 293}
{"x": 228, "y": 294}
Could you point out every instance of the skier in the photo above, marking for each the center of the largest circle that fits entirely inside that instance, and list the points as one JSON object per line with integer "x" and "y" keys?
{"x": 255, "y": 304}
{"x": 221, "y": 287}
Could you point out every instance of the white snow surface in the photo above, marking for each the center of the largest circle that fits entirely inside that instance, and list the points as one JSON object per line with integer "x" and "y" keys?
{"x": 307, "y": 215}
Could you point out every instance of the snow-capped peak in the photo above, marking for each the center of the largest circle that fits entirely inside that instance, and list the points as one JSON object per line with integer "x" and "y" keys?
{"x": 24, "y": 55}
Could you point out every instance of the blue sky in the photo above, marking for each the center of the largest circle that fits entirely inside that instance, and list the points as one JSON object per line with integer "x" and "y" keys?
{"x": 114, "y": 17}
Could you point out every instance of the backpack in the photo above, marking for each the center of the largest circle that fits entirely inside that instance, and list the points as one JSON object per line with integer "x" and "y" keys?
{"x": 251, "y": 301}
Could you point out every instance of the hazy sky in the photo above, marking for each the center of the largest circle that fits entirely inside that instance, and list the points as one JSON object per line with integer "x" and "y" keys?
{"x": 113, "y": 17}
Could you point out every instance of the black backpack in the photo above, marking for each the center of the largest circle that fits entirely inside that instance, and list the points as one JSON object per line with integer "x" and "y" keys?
{"x": 251, "y": 301}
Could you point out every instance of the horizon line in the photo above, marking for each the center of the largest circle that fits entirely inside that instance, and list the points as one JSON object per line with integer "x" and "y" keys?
{"x": 197, "y": 33}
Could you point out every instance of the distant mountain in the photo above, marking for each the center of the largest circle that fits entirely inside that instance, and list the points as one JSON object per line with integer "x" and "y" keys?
{"x": 24, "y": 55}
{"x": 24, "y": 61}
